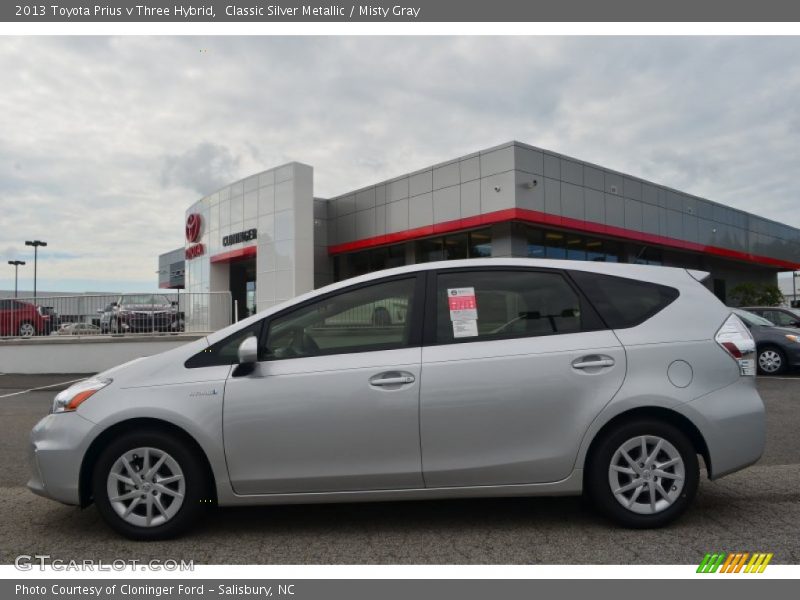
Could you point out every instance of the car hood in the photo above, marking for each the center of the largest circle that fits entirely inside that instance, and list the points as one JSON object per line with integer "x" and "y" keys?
{"x": 773, "y": 332}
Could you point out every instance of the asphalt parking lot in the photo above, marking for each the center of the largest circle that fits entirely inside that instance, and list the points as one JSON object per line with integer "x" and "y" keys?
{"x": 754, "y": 510}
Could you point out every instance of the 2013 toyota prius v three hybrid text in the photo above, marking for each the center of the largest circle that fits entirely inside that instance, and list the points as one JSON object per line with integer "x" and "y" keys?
{"x": 486, "y": 377}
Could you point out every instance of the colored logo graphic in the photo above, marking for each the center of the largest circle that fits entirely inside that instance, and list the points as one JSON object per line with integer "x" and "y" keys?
{"x": 193, "y": 227}
{"x": 737, "y": 562}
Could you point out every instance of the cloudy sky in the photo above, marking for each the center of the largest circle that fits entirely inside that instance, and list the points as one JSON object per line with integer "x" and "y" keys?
{"x": 104, "y": 142}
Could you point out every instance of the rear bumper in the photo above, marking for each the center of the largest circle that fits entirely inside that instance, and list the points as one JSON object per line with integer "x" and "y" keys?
{"x": 732, "y": 422}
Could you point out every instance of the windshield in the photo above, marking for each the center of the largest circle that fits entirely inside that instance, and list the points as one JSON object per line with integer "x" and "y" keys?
{"x": 751, "y": 319}
{"x": 145, "y": 299}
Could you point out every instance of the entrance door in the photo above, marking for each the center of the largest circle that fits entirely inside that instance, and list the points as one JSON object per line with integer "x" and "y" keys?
{"x": 250, "y": 297}
{"x": 243, "y": 287}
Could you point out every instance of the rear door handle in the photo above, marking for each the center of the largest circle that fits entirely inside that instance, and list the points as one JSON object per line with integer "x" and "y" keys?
{"x": 381, "y": 380}
{"x": 592, "y": 362}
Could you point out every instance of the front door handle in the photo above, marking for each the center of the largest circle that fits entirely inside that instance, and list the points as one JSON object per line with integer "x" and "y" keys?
{"x": 590, "y": 362}
{"x": 392, "y": 379}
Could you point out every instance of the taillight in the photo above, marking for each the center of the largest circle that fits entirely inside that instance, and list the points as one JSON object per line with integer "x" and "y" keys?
{"x": 734, "y": 337}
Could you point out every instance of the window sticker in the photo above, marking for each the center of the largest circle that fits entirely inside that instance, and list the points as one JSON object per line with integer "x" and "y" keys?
{"x": 462, "y": 303}
{"x": 462, "y": 329}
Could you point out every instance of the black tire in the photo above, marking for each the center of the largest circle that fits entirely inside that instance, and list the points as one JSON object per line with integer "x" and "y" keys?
{"x": 196, "y": 497}
{"x": 598, "y": 486}
{"x": 781, "y": 356}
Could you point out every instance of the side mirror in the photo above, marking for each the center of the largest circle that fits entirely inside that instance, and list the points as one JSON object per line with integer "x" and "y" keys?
{"x": 248, "y": 351}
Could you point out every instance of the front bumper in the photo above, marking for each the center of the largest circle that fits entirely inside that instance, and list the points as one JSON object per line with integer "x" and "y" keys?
{"x": 732, "y": 422}
{"x": 793, "y": 354}
{"x": 146, "y": 322}
{"x": 58, "y": 445}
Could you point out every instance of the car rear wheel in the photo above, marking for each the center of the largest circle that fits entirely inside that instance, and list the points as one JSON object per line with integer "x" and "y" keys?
{"x": 27, "y": 329}
{"x": 771, "y": 361}
{"x": 149, "y": 485}
{"x": 643, "y": 474}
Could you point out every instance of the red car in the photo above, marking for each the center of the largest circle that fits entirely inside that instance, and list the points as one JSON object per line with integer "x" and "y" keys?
{"x": 22, "y": 318}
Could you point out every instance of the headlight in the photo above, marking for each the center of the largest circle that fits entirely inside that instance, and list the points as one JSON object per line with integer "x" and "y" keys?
{"x": 792, "y": 338}
{"x": 72, "y": 397}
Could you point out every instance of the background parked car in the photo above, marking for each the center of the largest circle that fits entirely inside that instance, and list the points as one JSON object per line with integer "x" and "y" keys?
{"x": 139, "y": 313}
{"x": 777, "y": 315}
{"x": 22, "y": 318}
{"x": 53, "y": 318}
{"x": 777, "y": 348}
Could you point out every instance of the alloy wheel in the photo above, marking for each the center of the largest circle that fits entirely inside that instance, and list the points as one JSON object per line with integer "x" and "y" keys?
{"x": 646, "y": 474}
{"x": 27, "y": 330}
{"x": 770, "y": 361}
{"x": 146, "y": 487}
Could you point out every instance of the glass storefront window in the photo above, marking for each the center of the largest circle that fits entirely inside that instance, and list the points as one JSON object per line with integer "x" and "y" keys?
{"x": 366, "y": 261}
{"x": 543, "y": 243}
{"x": 474, "y": 244}
{"x": 554, "y": 245}
{"x": 455, "y": 246}
{"x": 430, "y": 250}
{"x": 480, "y": 244}
{"x": 575, "y": 248}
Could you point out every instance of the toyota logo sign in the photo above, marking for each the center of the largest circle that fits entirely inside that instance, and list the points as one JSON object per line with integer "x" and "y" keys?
{"x": 193, "y": 222}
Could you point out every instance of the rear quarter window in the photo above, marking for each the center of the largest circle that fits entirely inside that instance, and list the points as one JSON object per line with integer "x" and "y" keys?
{"x": 624, "y": 302}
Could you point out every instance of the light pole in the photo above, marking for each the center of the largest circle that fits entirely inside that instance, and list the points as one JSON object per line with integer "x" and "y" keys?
{"x": 35, "y": 244}
{"x": 794, "y": 288}
{"x": 16, "y": 264}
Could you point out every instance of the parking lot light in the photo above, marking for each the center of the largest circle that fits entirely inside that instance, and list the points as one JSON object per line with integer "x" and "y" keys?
{"x": 16, "y": 264}
{"x": 35, "y": 244}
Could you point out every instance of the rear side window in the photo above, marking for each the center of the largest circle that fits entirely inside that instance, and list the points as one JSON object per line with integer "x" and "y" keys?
{"x": 624, "y": 302}
{"x": 495, "y": 304}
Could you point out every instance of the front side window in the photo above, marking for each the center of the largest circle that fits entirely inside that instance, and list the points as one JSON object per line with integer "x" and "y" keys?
{"x": 224, "y": 352}
{"x": 496, "y": 304}
{"x": 369, "y": 318}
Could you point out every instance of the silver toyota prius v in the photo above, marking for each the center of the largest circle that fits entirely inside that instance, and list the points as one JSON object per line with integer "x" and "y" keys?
{"x": 474, "y": 378}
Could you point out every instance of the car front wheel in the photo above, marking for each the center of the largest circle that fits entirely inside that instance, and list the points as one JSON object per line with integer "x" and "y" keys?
{"x": 643, "y": 474}
{"x": 149, "y": 486}
{"x": 771, "y": 361}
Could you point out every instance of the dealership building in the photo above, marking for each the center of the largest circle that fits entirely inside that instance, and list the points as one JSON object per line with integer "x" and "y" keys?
{"x": 267, "y": 238}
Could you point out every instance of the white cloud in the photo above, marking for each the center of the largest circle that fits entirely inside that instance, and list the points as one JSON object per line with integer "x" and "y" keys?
{"x": 105, "y": 141}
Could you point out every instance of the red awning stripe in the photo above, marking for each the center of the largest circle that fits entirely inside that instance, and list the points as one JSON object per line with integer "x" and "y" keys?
{"x": 541, "y": 218}
{"x": 237, "y": 254}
